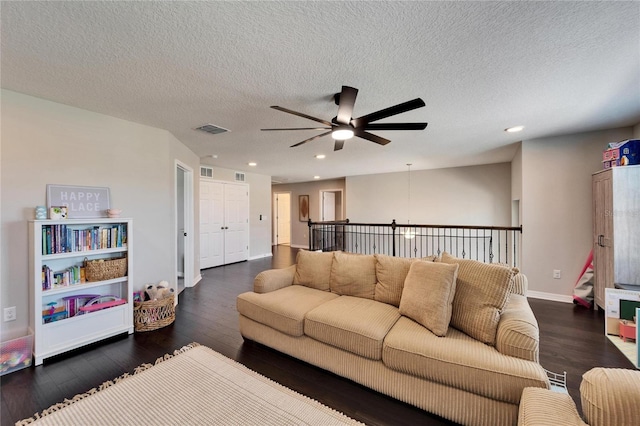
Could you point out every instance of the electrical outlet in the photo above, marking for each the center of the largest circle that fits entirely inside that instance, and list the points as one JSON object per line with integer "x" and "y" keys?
{"x": 556, "y": 274}
{"x": 10, "y": 313}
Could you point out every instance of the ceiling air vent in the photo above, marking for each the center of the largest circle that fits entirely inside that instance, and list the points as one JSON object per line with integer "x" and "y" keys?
{"x": 240, "y": 177}
{"x": 212, "y": 128}
{"x": 206, "y": 171}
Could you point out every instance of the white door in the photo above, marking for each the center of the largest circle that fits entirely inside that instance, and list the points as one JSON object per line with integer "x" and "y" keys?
{"x": 236, "y": 227}
{"x": 328, "y": 206}
{"x": 211, "y": 224}
{"x": 283, "y": 218}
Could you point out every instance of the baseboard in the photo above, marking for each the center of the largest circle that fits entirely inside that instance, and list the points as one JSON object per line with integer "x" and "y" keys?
{"x": 550, "y": 296}
{"x": 196, "y": 280}
{"x": 299, "y": 246}
{"x": 261, "y": 256}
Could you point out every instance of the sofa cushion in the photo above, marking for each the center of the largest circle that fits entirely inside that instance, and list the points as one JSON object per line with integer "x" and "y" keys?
{"x": 428, "y": 293}
{"x": 459, "y": 361}
{"x": 482, "y": 292}
{"x": 313, "y": 269}
{"x": 610, "y": 396}
{"x": 354, "y": 324}
{"x": 353, "y": 274}
{"x": 283, "y": 309}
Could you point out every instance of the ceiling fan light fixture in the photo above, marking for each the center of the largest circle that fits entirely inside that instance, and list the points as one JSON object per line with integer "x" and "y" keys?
{"x": 514, "y": 129}
{"x": 342, "y": 133}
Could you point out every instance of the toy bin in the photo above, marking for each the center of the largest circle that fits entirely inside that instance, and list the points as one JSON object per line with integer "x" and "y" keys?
{"x": 16, "y": 354}
{"x": 153, "y": 314}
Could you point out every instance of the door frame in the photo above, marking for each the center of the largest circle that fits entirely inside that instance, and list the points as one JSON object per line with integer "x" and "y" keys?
{"x": 274, "y": 238}
{"x": 188, "y": 208}
{"x": 341, "y": 191}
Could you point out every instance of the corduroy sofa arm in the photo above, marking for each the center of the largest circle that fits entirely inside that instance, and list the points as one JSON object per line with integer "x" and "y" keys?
{"x": 542, "y": 407}
{"x": 518, "y": 334}
{"x": 274, "y": 279}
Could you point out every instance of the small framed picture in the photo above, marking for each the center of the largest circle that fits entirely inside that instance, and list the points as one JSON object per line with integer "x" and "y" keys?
{"x": 303, "y": 207}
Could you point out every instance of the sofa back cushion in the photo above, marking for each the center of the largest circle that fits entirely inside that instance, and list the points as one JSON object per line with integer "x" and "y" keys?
{"x": 391, "y": 272}
{"x": 482, "y": 291}
{"x": 353, "y": 275}
{"x": 428, "y": 294}
{"x": 313, "y": 269}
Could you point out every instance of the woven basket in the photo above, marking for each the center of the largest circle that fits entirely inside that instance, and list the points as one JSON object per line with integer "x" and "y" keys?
{"x": 105, "y": 269}
{"x": 153, "y": 314}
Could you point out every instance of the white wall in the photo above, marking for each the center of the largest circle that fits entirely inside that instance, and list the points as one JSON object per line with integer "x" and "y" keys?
{"x": 475, "y": 195}
{"x": 556, "y": 207}
{"x": 45, "y": 142}
{"x": 636, "y": 131}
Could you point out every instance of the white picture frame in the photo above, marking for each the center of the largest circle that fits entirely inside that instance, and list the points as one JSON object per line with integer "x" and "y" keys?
{"x": 80, "y": 201}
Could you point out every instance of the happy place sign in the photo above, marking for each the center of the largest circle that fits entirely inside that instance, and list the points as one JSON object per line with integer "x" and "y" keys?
{"x": 80, "y": 201}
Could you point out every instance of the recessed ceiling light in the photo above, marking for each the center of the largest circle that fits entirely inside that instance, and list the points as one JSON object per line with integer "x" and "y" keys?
{"x": 514, "y": 129}
{"x": 252, "y": 164}
{"x": 320, "y": 156}
{"x": 316, "y": 177}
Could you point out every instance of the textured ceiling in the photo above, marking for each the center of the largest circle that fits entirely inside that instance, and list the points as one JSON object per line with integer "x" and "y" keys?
{"x": 555, "y": 67}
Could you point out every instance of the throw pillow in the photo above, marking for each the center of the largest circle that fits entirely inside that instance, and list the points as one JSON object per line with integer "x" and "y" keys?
{"x": 482, "y": 291}
{"x": 390, "y": 275}
{"x": 353, "y": 275}
{"x": 428, "y": 294}
{"x": 391, "y": 272}
{"x": 313, "y": 269}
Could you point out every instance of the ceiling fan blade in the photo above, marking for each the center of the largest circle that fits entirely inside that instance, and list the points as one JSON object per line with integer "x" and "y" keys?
{"x": 395, "y": 126}
{"x": 371, "y": 137}
{"x": 388, "y": 112}
{"x": 347, "y": 101}
{"x": 338, "y": 145}
{"x": 311, "y": 139}
{"x": 300, "y": 114}
{"x": 300, "y": 128}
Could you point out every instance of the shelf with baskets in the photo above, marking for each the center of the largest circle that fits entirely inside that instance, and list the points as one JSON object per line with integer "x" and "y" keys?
{"x": 81, "y": 282}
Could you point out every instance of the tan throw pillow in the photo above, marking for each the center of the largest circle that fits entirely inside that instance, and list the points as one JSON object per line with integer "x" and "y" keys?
{"x": 353, "y": 275}
{"x": 390, "y": 274}
{"x": 482, "y": 291}
{"x": 428, "y": 294}
{"x": 313, "y": 269}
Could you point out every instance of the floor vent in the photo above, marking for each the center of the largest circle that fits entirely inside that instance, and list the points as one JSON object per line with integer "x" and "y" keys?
{"x": 212, "y": 128}
{"x": 240, "y": 177}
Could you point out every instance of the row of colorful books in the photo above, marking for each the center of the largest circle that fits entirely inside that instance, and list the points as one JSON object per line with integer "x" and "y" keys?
{"x": 70, "y": 276}
{"x": 64, "y": 239}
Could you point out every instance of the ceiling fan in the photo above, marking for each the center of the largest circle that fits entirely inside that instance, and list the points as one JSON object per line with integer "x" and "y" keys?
{"x": 344, "y": 126}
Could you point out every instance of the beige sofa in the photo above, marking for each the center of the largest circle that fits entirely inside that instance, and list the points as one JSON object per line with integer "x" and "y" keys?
{"x": 609, "y": 396}
{"x": 449, "y": 336}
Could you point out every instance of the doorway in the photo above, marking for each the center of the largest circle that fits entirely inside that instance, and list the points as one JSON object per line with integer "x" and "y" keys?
{"x": 183, "y": 226}
{"x": 282, "y": 218}
{"x": 331, "y": 205}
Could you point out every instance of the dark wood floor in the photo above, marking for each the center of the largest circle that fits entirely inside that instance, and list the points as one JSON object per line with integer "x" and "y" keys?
{"x": 572, "y": 340}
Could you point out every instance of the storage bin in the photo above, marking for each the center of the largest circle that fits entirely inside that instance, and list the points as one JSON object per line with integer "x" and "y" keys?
{"x": 153, "y": 314}
{"x": 105, "y": 269}
{"x": 16, "y": 354}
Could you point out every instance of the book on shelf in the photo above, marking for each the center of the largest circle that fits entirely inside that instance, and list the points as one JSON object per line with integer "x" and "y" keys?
{"x": 64, "y": 239}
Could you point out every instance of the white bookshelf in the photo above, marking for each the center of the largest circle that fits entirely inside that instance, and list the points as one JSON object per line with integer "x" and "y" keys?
{"x": 62, "y": 335}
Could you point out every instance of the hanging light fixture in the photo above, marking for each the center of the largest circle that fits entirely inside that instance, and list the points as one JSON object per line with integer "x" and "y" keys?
{"x": 409, "y": 234}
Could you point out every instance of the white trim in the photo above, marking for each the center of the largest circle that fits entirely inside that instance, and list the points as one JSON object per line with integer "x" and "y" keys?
{"x": 550, "y": 296}
{"x": 189, "y": 211}
{"x": 299, "y": 246}
{"x": 261, "y": 256}
{"x": 196, "y": 280}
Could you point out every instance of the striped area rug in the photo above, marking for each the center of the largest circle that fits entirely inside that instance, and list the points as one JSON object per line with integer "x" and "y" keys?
{"x": 195, "y": 385}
